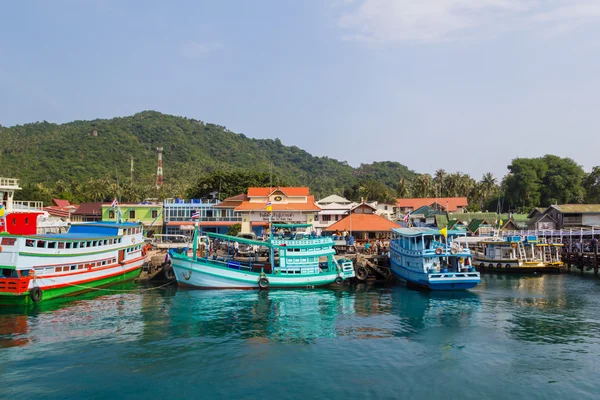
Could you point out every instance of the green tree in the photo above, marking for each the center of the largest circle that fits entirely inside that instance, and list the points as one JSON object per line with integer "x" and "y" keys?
{"x": 591, "y": 183}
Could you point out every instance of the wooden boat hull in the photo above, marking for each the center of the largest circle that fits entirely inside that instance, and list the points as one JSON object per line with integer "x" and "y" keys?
{"x": 203, "y": 275}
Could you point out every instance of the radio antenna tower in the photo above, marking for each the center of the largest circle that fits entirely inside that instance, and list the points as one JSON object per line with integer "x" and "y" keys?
{"x": 159, "y": 170}
{"x": 131, "y": 170}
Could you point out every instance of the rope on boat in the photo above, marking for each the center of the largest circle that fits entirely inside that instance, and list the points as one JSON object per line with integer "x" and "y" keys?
{"x": 113, "y": 290}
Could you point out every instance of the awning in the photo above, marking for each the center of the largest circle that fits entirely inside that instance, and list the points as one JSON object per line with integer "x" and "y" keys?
{"x": 333, "y": 212}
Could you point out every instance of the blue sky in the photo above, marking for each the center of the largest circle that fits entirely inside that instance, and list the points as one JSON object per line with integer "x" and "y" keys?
{"x": 464, "y": 85}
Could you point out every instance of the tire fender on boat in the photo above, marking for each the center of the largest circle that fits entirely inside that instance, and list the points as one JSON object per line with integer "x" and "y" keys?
{"x": 439, "y": 251}
{"x": 263, "y": 283}
{"x": 507, "y": 266}
{"x": 169, "y": 273}
{"x": 498, "y": 265}
{"x": 453, "y": 251}
{"x": 339, "y": 280}
{"x": 35, "y": 294}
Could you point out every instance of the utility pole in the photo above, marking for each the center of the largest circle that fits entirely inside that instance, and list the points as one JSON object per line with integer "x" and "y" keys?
{"x": 159, "y": 169}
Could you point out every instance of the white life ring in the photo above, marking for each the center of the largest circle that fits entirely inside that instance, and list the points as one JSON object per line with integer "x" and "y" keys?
{"x": 132, "y": 240}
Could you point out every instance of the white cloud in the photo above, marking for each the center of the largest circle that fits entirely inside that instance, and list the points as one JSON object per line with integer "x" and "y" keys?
{"x": 192, "y": 49}
{"x": 440, "y": 20}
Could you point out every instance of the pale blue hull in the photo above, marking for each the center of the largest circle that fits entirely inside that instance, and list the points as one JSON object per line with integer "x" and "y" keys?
{"x": 441, "y": 281}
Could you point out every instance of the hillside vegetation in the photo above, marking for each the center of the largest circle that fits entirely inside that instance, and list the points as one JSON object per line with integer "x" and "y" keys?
{"x": 90, "y": 160}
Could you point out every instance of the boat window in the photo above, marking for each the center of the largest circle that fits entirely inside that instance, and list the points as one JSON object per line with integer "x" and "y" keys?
{"x": 8, "y": 241}
{"x": 51, "y": 245}
{"x": 73, "y": 267}
{"x": 81, "y": 245}
{"x": 80, "y": 266}
{"x": 58, "y": 269}
{"x": 24, "y": 272}
{"x": 29, "y": 243}
{"x": 61, "y": 245}
{"x": 105, "y": 242}
{"x": 67, "y": 245}
{"x": 41, "y": 244}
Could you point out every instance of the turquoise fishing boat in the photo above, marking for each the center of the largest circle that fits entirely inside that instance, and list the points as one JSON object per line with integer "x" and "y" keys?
{"x": 431, "y": 259}
{"x": 295, "y": 260}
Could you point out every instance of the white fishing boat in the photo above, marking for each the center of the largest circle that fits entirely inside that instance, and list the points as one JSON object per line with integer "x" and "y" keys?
{"x": 41, "y": 267}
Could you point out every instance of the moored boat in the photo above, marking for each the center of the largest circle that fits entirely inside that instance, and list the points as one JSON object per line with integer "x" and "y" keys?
{"x": 431, "y": 259}
{"x": 41, "y": 267}
{"x": 514, "y": 254}
{"x": 295, "y": 260}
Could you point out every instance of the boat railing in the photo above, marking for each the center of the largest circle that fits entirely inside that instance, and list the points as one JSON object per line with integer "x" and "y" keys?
{"x": 296, "y": 242}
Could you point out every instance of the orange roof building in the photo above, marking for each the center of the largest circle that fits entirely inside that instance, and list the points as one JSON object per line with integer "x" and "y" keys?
{"x": 448, "y": 204}
{"x": 364, "y": 224}
{"x": 287, "y": 204}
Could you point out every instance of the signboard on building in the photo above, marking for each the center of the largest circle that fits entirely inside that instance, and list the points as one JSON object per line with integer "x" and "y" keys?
{"x": 278, "y": 217}
{"x": 545, "y": 226}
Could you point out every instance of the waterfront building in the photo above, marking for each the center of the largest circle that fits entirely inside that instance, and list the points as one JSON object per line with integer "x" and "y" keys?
{"x": 364, "y": 224}
{"x": 566, "y": 216}
{"x": 448, "y": 204}
{"x": 148, "y": 214}
{"x": 88, "y": 212}
{"x": 214, "y": 215}
{"x": 333, "y": 209}
{"x": 386, "y": 210}
{"x": 290, "y": 205}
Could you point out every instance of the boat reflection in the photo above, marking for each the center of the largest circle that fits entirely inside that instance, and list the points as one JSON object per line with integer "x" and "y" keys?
{"x": 97, "y": 315}
{"x": 420, "y": 310}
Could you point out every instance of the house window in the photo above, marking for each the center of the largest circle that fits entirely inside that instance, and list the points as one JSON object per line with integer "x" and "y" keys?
{"x": 154, "y": 213}
{"x": 326, "y": 218}
{"x": 111, "y": 214}
{"x": 132, "y": 214}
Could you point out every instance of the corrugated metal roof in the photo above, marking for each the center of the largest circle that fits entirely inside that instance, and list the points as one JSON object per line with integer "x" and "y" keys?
{"x": 579, "y": 208}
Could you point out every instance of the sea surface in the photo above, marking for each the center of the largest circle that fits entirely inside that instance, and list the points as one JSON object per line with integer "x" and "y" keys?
{"x": 512, "y": 337}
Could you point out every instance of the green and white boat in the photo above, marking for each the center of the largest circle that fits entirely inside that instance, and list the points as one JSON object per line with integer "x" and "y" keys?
{"x": 295, "y": 260}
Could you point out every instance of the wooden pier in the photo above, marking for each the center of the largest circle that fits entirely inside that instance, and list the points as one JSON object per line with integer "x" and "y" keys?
{"x": 584, "y": 261}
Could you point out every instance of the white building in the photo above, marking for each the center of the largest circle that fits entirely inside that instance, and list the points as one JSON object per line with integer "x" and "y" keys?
{"x": 333, "y": 209}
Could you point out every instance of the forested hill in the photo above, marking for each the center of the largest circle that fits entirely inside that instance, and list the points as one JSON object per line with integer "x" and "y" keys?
{"x": 84, "y": 151}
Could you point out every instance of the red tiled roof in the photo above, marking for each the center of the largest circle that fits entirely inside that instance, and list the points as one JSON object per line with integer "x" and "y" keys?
{"x": 61, "y": 203}
{"x": 289, "y": 191}
{"x": 363, "y": 223}
{"x": 450, "y": 203}
{"x": 232, "y": 202}
{"x": 308, "y": 206}
{"x": 89, "y": 209}
{"x": 239, "y": 197}
{"x": 59, "y": 211}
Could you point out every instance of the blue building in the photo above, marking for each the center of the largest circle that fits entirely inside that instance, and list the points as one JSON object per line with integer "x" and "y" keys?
{"x": 215, "y": 216}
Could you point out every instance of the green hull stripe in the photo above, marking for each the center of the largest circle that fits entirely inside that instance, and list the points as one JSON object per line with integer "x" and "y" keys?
{"x": 74, "y": 255}
{"x": 324, "y": 281}
{"x": 8, "y": 299}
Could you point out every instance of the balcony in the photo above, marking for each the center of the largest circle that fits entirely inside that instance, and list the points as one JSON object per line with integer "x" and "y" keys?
{"x": 19, "y": 205}
{"x": 205, "y": 219}
{"x": 9, "y": 183}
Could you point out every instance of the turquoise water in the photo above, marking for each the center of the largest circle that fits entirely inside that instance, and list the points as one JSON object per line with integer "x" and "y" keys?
{"x": 534, "y": 338}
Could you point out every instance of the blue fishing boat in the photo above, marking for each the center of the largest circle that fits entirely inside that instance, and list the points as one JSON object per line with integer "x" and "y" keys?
{"x": 431, "y": 259}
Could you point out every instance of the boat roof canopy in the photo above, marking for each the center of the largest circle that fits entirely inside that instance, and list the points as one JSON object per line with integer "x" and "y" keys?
{"x": 291, "y": 226}
{"x": 237, "y": 239}
{"x": 416, "y": 231}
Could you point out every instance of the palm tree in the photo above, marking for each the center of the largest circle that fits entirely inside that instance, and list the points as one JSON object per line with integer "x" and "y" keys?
{"x": 423, "y": 186}
{"x": 439, "y": 180}
{"x": 403, "y": 188}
